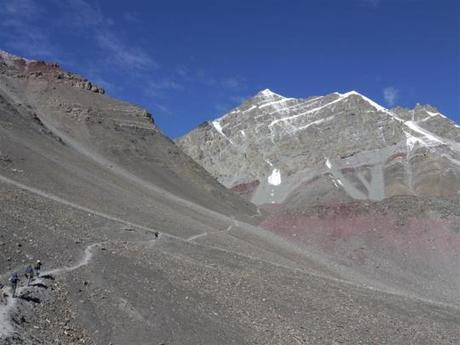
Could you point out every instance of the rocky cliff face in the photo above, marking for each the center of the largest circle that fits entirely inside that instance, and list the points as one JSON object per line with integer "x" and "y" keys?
{"x": 327, "y": 149}
{"x": 19, "y": 67}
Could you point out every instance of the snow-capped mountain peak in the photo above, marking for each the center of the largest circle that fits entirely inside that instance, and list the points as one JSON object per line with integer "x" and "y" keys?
{"x": 267, "y": 93}
{"x": 367, "y": 146}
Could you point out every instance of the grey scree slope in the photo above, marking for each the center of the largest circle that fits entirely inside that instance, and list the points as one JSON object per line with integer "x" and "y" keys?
{"x": 86, "y": 179}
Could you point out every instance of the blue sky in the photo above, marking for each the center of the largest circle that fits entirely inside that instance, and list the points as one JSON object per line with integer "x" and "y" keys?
{"x": 191, "y": 61}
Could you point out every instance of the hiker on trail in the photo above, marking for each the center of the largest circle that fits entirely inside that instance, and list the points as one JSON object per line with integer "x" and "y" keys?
{"x": 156, "y": 234}
{"x": 2, "y": 294}
{"x": 37, "y": 267}
{"x": 14, "y": 280}
{"x": 29, "y": 274}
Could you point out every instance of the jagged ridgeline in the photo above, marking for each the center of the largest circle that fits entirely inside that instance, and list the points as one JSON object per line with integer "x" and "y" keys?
{"x": 337, "y": 147}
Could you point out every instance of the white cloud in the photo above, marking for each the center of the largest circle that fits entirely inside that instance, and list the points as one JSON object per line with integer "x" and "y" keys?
{"x": 238, "y": 99}
{"x": 390, "y": 94}
{"x": 20, "y": 31}
{"x": 182, "y": 71}
{"x": 87, "y": 18}
{"x": 124, "y": 55}
{"x": 233, "y": 83}
{"x": 221, "y": 108}
{"x": 33, "y": 44}
{"x": 132, "y": 17}
{"x": 372, "y": 3}
{"x": 165, "y": 84}
{"x": 163, "y": 110}
{"x": 157, "y": 88}
{"x": 203, "y": 77}
{"x": 26, "y": 30}
{"x": 23, "y": 8}
{"x": 81, "y": 14}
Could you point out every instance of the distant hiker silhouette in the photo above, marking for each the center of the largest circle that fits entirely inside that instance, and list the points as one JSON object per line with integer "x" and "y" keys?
{"x": 38, "y": 267}
{"x": 29, "y": 273}
{"x": 14, "y": 280}
{"x": 156, "y": 234}
{"x": 2, "y": 294}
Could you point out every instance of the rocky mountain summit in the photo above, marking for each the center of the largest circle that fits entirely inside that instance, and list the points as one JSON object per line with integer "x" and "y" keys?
{"x": 23, "y": 68}
{"x": 328, "y": 148}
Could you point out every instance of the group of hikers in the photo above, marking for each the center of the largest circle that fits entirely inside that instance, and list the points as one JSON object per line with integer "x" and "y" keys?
{"x": 30, "y": 272}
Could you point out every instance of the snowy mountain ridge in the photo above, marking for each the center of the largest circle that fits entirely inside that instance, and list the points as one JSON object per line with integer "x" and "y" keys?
{"x": 271, "y": 99}
{"x": 281, "y": 143}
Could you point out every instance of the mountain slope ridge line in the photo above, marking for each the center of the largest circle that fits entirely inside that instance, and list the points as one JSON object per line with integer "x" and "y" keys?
{"x": 79, "y": 207}
{"x": 114, "y": 168}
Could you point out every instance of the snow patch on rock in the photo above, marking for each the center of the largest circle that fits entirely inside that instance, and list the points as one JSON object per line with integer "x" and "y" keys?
{"x": 373, "y": 104}
{"x": 432, "y": 114}
{"x": 269, "y": 94}
{"x": 411, "y": 141}
{"x": 313, "y": 123}
{"x": 249, "y": 109}
{"x": 275, "y": 104}
{"x": 275, "y": 178}
{"x": 218, "y": 127}
{"x": 428, "y": 135}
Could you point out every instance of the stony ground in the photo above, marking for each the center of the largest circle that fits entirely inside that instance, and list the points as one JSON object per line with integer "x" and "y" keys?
{"x": 211, "y": 290}
{"x": 408, "y": 242}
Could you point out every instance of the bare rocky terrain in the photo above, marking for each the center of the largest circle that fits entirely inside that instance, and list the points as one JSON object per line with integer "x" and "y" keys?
{"x": 86, "y": 181}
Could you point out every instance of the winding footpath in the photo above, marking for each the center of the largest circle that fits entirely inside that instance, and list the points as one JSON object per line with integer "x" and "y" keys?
{"x": 6, "y": 328}
{"x": 5, "y": 310}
